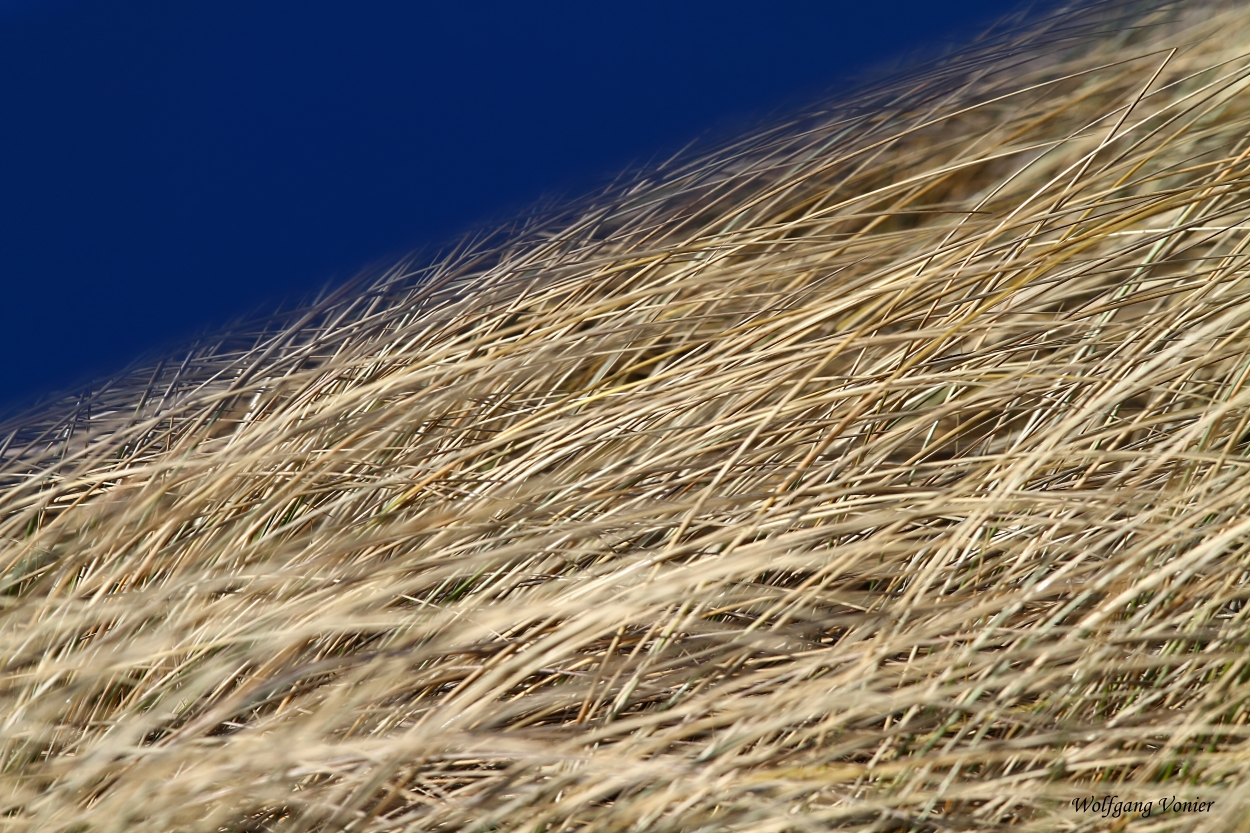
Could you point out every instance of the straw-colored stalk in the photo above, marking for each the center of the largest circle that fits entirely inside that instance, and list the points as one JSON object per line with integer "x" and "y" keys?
{"x": 886, "y": 470}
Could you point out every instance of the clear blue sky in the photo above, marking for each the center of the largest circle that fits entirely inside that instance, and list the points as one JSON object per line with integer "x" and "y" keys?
{"x": 165, "y": 166}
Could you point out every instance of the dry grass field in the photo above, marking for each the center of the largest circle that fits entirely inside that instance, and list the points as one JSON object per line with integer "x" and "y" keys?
{"x": 886, "y": 470}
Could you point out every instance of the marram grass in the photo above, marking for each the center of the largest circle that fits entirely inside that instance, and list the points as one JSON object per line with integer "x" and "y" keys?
{"x": 887, "y": 470}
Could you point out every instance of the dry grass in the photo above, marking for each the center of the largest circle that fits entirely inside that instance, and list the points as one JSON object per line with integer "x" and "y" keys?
{"x": 886, "y": 470}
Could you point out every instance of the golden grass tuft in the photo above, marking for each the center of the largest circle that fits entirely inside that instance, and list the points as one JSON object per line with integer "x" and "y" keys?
{"x": 886, "y": 470}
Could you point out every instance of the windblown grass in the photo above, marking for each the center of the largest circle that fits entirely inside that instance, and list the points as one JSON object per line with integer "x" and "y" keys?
{"x": 886, "y": 470}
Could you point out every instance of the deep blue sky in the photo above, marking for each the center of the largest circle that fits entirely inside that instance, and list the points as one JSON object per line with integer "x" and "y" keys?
{"x": 168, "y": 165}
